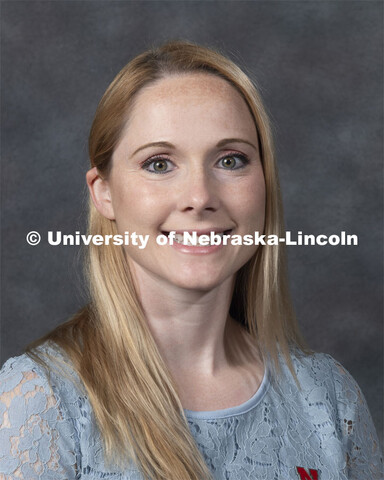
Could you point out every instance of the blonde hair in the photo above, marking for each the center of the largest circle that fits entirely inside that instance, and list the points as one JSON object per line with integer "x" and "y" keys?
{"x": 133, "y": 396}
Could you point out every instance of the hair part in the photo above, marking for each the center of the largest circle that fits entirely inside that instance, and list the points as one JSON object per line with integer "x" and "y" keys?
{"x": 130, "y": 388}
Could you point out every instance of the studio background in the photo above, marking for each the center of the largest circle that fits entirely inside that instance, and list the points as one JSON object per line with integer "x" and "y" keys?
{"x": 319, "y": 67}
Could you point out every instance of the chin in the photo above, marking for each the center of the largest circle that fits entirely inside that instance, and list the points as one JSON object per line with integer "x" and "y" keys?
{"x": 202, "y": 283}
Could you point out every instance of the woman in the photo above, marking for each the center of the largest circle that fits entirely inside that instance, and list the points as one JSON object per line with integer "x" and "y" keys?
{"x": 187, "y": 363}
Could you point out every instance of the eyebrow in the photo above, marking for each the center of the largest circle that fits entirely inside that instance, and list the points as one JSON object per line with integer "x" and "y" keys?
{"x": 221, "y": 143}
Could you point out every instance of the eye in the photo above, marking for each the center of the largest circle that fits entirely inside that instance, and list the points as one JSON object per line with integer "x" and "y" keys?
{"x": 233, "y": 161}
{"x": 158, "y": 165}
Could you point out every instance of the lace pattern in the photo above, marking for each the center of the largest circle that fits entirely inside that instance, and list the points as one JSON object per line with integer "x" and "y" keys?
{"x": 48, "y": 429}
{"x": 36, "y": 441}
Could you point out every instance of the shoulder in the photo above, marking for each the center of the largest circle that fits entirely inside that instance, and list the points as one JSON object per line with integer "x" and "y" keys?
{"x": 324, "y": 385}
{"x": 54, "y": 373}
{"x": 46, "y": 385}
{"x": 322, "y": 370}
{"x": 19, "y": 377}
{"x": 51, "y": 380}
{"x": 37, "y": 409}
{"x": 333, "y": 397}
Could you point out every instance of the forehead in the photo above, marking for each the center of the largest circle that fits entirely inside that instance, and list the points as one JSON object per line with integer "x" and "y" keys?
{"x": 177, "y": 104}
{"x": 189, "y": 85}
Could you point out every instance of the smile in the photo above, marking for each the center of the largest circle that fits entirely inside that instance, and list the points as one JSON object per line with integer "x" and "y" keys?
{"x": 194, "y": 238}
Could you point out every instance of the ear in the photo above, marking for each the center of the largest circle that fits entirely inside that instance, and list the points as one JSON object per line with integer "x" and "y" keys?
{"x": 100, "y": 193}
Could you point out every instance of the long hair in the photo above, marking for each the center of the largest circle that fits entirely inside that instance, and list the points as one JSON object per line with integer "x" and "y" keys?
{"x": 130, "y": 388}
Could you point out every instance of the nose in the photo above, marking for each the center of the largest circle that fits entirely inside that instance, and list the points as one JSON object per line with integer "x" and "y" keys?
{"x": 199, "y": 192}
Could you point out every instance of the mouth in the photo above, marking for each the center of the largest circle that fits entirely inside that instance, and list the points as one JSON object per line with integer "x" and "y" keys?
{"x": 197, "y": 238}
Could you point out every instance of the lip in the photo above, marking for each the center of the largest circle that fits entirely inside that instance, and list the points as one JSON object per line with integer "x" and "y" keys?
{"x": 198, "y": 249}
{"x": 200, "y": 231}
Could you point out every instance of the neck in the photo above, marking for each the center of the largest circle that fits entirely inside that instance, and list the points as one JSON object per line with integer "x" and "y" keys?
{"x": 189, "y": 327}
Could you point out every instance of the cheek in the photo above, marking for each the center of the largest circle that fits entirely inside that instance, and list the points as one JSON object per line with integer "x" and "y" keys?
{"x": 137, "y": 205}
{"x": 250, "y": 202}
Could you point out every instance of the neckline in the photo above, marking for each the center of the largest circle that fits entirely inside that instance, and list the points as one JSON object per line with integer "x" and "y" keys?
{"x": 237, "y": 409}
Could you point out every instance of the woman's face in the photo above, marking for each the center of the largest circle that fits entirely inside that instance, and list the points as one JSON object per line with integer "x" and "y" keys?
{"x": 187, "y": 161}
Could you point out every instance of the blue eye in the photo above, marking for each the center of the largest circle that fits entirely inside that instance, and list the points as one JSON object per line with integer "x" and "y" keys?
{"x": 233, "y": 161}
{"x": 158, "y": 165}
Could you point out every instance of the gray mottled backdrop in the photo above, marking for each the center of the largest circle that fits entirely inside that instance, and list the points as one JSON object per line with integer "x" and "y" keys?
{"x": 319, "y": 66}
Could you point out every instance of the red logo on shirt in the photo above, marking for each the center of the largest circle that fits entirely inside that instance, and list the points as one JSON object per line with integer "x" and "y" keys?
{"x": 304, "y": 475}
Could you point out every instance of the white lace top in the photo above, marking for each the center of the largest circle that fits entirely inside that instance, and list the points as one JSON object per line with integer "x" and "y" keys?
{"x": 322, "y": 432}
